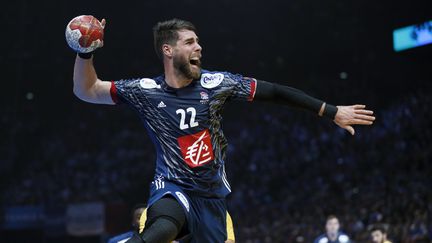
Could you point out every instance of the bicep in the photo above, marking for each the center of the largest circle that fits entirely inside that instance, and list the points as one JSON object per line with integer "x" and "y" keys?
{"x": 238, "y": 87}
{"x": 98, "y": 93}
{"x": 103, "y": 92}
{"x": 286, "y": 95}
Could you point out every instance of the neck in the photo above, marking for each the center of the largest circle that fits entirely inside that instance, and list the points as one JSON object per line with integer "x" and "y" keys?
{"x": 332, "y": 237}
{"x": 174, "y": 78}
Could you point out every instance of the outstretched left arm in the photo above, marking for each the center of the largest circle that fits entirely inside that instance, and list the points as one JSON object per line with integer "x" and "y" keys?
{"x": 343, "y": 116}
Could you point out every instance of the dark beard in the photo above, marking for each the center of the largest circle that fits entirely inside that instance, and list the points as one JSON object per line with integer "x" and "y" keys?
{"x": 183, "y": 67}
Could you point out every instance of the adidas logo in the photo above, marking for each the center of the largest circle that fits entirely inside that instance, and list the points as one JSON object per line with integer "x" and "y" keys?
{"x": 161, "y": 105}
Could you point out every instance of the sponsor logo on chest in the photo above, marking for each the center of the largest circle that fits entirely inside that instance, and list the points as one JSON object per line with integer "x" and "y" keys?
{"x": 196, "y": 149}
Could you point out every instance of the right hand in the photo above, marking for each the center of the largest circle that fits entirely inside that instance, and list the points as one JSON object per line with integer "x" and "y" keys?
{"x": 100, "y": 44}
{"x": 103, "y": 23}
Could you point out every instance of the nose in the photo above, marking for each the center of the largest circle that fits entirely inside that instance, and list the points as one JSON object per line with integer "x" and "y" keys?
{"x": 198, "y": 47}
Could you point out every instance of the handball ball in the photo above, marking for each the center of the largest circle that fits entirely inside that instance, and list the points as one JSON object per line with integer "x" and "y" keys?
{"x": 84, "y": 34}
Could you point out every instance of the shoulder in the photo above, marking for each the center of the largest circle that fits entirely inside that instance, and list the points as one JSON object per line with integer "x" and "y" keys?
{"x": 224, "y": 74}
{"x": 212, "y": 79}
{"x": 321, "y": 239}
{"x": 343, "y": 238}
{"x": 148, "y": 83}
{"x": 141, "y": 83}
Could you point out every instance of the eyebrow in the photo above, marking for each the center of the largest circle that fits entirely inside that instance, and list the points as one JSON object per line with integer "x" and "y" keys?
{"x": 191, "y": 38}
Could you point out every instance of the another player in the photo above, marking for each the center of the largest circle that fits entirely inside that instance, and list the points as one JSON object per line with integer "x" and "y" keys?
{"x": 333, "y": 233}
{"x": 137, "y": 211}
{"x": 181, "y": 111}
{"x": 379, "y": 234}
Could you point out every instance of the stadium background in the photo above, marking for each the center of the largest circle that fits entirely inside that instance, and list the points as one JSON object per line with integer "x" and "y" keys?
{"x": 66, "y": 164}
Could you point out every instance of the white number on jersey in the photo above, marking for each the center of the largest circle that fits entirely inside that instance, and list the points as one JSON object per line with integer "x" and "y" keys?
{"x": 192, "y": 122}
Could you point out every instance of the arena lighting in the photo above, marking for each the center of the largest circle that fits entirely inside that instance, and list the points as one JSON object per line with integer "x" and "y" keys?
{"x": 412, "y": 36}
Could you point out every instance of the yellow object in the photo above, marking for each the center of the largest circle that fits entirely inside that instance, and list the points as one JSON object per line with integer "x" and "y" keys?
{"x": 230, "y": 227}
{"x": 142, "y": 221}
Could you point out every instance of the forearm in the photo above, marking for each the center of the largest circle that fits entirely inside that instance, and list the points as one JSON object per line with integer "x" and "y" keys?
{"x": 84, "y": 76}
{"x": 290, "y": 96}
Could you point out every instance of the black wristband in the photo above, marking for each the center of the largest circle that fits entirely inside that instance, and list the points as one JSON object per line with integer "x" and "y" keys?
{"x": 330, "y": 111}
{"x": 85, "y": 55}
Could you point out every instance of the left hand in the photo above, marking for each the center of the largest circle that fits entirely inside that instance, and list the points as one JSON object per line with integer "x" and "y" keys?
{"x": 353, "y": 115}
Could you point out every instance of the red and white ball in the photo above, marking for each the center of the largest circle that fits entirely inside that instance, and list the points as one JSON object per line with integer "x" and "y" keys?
{"x": 84, "y": 34}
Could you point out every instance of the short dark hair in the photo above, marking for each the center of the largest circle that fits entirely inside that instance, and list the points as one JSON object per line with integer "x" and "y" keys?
{"x": 331, "y": 216}
{"x": 379, "y": 227}
{"x": 166, "y": 32}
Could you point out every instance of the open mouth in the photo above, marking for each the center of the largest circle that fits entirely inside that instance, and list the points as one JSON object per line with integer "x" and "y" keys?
{"x": 195, "y": 62}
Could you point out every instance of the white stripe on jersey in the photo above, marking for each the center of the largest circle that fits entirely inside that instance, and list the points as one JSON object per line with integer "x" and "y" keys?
{"x": 224, "y": 179}
{"x": 159, "y": 183}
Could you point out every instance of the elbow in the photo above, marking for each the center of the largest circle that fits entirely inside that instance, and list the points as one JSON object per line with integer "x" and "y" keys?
{"x": 265, "y": 91}
{"x": 76, "y": 89}
{"x": 79, "y": 93}
{"x": 76, "y": 92}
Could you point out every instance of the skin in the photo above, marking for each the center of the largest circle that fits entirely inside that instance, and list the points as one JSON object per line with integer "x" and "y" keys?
{"x": 88, "y": 87}
{"x": 179, "y": 71}
{"x": 332, "y": 228}
{"x": 182, "y": 64}
{"x": 378, "y": 236}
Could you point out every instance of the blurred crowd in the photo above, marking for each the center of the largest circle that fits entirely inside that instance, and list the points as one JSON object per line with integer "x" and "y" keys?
{"x": 299, "y": 172}
{"x": 289, "y": 170}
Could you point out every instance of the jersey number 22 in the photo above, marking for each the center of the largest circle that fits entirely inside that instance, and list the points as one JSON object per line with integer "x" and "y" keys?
{"x": 192, "y": 122}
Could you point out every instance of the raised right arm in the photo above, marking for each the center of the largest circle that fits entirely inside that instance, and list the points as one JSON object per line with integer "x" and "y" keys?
{"x": 87, "y": 86}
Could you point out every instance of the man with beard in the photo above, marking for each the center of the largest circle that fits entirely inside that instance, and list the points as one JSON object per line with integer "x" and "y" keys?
{"x": 379, "y": 234}
{"x": 181, "y": 111}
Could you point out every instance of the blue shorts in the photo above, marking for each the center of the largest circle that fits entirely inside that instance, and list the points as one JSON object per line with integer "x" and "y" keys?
{"x": 206, "y": 217}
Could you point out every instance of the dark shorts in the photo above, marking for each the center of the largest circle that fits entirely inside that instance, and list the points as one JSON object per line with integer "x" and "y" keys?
{"x": 206, "y": 217}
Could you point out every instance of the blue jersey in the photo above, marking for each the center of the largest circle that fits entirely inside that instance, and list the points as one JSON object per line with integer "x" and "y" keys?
{"x": 185, "y": 126}
{"x": 121, "y": 238}
{"x": 341, "y": 238}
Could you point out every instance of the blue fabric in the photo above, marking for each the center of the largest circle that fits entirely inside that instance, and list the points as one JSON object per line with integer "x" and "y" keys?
{"x": 206, "y": 217}
{"x": 341, "y": 238}
{"x": 185, "y": 126}
{"x": 123, "y": 237}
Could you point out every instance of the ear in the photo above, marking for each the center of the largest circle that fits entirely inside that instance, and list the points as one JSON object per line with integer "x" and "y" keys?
{"x": 167, "y": 50}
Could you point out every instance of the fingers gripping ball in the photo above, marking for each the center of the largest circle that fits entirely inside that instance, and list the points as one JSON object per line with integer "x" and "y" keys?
{"x": 84, "y": 34}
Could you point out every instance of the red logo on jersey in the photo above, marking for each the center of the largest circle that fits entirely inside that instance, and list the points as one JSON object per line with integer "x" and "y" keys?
{"x": 196, "y": 148}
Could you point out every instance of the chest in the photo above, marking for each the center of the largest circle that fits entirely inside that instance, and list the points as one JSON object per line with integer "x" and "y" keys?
{"x": 187, "y": 109}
